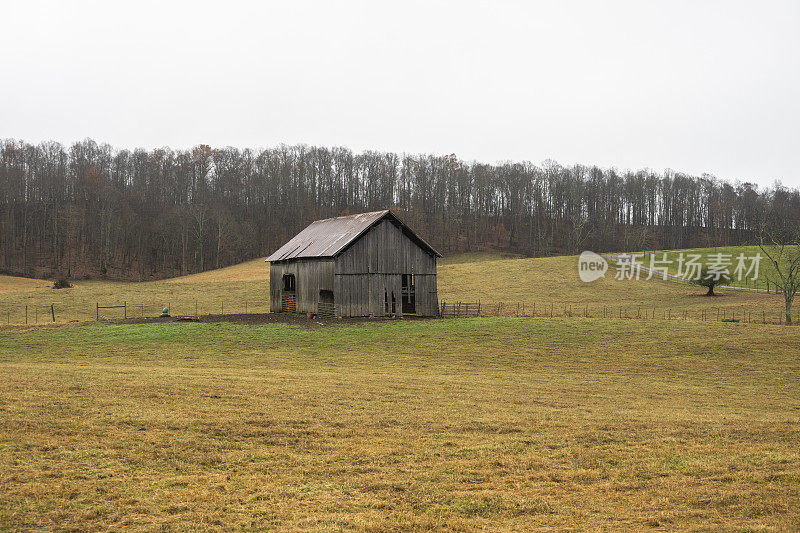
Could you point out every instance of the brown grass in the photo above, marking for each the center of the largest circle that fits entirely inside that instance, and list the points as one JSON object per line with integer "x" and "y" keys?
{"x": 500, "y": 424}
{"x": 554, "y": 281}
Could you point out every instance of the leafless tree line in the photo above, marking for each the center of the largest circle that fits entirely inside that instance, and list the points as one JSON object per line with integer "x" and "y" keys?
{"x": 89, "y": 209}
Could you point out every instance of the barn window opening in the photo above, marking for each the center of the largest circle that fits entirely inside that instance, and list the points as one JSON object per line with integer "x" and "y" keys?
{"x": 288, "y": 282}
{"x": 409, "y": 294}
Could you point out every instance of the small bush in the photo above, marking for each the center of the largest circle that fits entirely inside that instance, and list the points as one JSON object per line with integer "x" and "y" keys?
{"x": 62, "y": 283}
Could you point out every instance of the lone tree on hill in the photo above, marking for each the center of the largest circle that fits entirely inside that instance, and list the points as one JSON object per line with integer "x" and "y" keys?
{"x": 783, "y": 253}
{"x": 711, "y": 279}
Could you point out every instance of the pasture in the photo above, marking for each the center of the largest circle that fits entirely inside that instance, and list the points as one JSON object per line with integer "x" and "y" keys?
{"x": 497, "y": 423}
{"x": 766, "y": 270}
{"x": 492, "y": 279}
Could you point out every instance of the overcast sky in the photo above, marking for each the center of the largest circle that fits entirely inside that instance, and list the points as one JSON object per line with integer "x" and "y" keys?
{"x": 699, "y": 86}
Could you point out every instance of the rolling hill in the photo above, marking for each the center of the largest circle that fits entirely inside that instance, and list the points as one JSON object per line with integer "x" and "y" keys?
{"x": 542, "y": 282}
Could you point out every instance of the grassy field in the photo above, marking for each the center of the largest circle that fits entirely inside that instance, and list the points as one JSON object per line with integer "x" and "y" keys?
{"x": 766, "y": 269}
{"x": 496, "y": 423}
{"x": 554, "y": 281}
{"x": 234, "y": 289}
{"x": 543, "y": 282}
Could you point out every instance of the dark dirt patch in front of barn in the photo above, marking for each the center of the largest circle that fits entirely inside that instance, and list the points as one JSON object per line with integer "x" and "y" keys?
{"x": 265, "y": 318}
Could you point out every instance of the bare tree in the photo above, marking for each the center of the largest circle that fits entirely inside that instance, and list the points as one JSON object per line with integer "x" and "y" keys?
{"x": 783, "y": 254}
{"x": 199, "y": 216}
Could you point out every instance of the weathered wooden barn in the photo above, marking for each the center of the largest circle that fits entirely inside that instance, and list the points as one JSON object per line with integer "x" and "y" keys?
{"x": 370, "y": 264}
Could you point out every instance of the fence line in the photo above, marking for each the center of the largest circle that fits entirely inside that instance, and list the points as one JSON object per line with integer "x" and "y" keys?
{"x": 576, "y": 310}
{"x": 32, "y": 314}
{"x": 53, "y": 312}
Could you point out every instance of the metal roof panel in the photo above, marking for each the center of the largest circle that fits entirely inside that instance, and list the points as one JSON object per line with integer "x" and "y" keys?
{"x": 329, "y": 237}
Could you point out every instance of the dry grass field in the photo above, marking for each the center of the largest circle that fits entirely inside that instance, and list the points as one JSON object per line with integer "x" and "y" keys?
{"x": 766, "y": 270}
{"x": 234, "y": 289}
{"x": 543, "y": 282}
{"x": 554, "y": 281}
{"x": 491, "y": 423}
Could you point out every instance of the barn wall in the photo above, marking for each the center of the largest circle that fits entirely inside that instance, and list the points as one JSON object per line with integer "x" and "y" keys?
{"x": 375, "y": 263}
{"x": 311, "y": 276}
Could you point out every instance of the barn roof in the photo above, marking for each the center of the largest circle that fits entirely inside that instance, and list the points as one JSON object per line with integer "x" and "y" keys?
{"x": 330, "y": 237}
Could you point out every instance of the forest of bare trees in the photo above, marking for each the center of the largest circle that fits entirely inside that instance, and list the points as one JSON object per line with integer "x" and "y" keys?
{"x": 92, "y": 210}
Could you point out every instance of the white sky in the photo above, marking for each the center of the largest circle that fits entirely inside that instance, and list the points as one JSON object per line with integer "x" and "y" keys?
{"x": 698, "y": 86}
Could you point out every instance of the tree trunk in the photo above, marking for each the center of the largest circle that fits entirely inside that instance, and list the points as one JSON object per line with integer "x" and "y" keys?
{"x": 788, "y": 308}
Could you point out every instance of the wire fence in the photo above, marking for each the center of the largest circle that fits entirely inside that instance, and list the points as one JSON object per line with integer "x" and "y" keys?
{"x": 112, "y": 310}
{"x": 579, "y": 310}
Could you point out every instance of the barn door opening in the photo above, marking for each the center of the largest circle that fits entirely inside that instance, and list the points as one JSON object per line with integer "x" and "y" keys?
{"x": 409, "y": 295}
{"x": 325, "y": 306}
{"x": 288, "y": 302}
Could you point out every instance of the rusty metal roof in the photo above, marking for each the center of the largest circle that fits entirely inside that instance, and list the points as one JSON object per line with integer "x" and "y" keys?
{"x": 330, "y": 237}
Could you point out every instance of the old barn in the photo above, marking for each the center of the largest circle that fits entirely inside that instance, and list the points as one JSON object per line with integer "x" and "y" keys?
{"x": 370, "y": 264}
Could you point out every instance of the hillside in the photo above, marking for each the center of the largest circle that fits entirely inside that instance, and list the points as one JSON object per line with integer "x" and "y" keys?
{"x": 544, "y": 282}
{"x": 554, "y": 281}
{"x": 727, "y": 254}
{"x": 162, "y": 211}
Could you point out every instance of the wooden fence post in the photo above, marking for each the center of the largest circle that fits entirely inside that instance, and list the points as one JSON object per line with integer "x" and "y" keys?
{"x": 53, "y": 312}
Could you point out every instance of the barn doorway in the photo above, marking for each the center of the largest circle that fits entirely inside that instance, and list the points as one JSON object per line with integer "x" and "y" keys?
{"x": 288, "y": 301}
{"x": 325, "y": 306}
{"x": 409, "y": 295}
